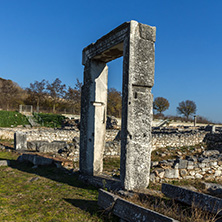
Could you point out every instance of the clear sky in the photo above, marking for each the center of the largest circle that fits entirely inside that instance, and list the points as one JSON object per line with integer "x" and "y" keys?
{"x": 43, "y": 39}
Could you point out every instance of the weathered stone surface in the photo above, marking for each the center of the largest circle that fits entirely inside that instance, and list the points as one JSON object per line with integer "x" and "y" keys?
{"x": 4, "y": 162}
{"x": 35, "y": 159}
{"x": 172, "y": 173}
{"x": 137, "y": 110}
{"x": 101, "y": 181}
{"x": 211, "y": 152}
{"x": 214, "y": 141}
{"x": 203, "y": 201}
{"x": 128, "y": 211}
{"x": 213, "y": 188}
{"x": 45, "y": 146}
{"x": 93, "y": 117}
{"x": 111, "y": 122}
{"x": 20, "y": 141}
{"x": 182, "y": 164}
{"x": 135, "y": 42}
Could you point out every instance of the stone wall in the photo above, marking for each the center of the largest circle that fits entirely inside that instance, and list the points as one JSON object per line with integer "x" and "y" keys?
{"x": 159, "y": 139}
{"x": 49, "y": 134}
{"x": 177, "y": 139}
{"x": 208, "y": 165}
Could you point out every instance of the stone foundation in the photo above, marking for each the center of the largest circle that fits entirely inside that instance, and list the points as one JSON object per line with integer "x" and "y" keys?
{"x": 112, "y": 148}
{"x": 206, "y": 166}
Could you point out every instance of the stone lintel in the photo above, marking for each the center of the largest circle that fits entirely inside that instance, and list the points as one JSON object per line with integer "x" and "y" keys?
{"x": 110, "y": 46}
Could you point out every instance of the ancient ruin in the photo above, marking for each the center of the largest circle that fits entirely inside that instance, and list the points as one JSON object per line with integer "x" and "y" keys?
{"x": 135, "y": 42}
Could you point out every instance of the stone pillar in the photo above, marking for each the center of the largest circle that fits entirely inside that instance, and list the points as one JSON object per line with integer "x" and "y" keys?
{"x": 138, "y": 79}
{"x": 135, "y": 41}
{"x": 20, "y": 141}
{"x": 213, "y": 129}
{"x": 20, "y": 108}
{"x": 93, "y": 117}
{"x": 194, "y": 120}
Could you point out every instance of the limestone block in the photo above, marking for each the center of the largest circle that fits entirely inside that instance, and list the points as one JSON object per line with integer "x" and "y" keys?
{"x": 214, "y": 189}
{"x": 203, "y": 201}
{"x": 199, "y": 176}
{"x": 192, "y": 173}
{"x": 172, "y": 173}
{"x": 182, "y": 164}
{"x": 218, "y": 173}
{"x": 35, "y": 159}
{"x": 20, "y": 141}
{"x": 213, "y": 163}
{"x": 183, "y": 172}
{"x": 128, "y": 211}
{"x": 4, "y": 163}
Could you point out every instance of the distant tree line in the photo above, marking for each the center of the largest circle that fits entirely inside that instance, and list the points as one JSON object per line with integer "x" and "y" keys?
{"x": 53, "y": 96}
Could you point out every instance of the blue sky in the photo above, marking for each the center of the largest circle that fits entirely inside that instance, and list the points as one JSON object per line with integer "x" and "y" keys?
{"x": 43, "y": 39}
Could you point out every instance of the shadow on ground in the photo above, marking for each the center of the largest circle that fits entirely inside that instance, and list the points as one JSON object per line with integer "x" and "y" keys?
{"x": 63, "y": 176}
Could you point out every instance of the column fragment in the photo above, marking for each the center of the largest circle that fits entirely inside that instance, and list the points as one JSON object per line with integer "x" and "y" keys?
{"x": 93, "y": 117}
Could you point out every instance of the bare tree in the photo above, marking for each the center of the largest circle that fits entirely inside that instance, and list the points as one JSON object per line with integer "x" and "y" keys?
{"x": 73, "y": 96}
{"x": 36, "y": 92}
{"x": 160, "y": 104}
{"x": 187, "y": 108}
{"x": 9, "y": 92}
{"x": 56, "y": 91}
{"x": 114, "y": 104}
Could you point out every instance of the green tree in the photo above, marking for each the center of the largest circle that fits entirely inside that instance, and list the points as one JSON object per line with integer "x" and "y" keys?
{"x": 56, "y": 91}
{"x": 114, "y": 104}
{"x": 187, "y": 108}
{"x": 160, "y": 104}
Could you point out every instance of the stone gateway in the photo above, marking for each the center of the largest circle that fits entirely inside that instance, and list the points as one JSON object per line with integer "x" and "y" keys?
{"x": 136, "y": 43}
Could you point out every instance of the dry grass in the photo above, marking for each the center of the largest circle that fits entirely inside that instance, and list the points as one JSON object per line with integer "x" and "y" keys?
{"x": 168, "y": 207}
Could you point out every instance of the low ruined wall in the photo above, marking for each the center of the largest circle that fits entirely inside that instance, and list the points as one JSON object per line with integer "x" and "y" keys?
{"x": 6, "y": 133}
{"x": 177, "y": 139}
{"x": 207, "y": 166}
{"x": 159, "y": 139}
{"x": 49, "y": 134}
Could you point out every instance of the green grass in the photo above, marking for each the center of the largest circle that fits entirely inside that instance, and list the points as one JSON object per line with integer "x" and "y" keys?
{"x": 45, "y": 194}
{"x": 49, "y": 119}
{"x": 11, "y": 118}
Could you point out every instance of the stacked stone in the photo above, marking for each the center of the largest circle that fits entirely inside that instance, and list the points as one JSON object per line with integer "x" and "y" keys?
{"x": 177, "y": 139}
{"x": 208, "y": 166}
{"x": 52, "y": 135}
{"x": 111, "y": 134}
{"x": 7, "y": 133}
{"x": 214, "y": 141}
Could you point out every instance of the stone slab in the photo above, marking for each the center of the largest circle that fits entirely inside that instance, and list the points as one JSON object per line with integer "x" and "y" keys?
{"x": 203, "y": 201}
{"x": 35, "y": 159}
{"x": 213, "y": 188}
{"x": 20, "y": 141}
{"x": 101, "y": 181}
{"x": 4, "y": 163}
{"x": 128, "y": 211}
